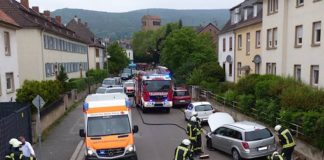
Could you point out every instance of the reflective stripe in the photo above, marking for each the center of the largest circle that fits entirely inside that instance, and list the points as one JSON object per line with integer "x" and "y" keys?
{"x": 185, "y": 151}
{"x": 290, "y": 142}
{"x": 189, "y": 131}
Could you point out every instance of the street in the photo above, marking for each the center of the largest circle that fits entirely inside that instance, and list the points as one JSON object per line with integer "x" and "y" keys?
{"x": 156, "y": 142}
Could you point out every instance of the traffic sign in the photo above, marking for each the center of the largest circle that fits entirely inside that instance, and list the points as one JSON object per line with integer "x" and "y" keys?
{"x": 38, "y": 102}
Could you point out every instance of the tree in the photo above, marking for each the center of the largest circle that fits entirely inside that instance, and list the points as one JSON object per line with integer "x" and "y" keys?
{"x": 184, "y": 50}
{"x": 62, "y": 77}
{"x": 118, "y": 59}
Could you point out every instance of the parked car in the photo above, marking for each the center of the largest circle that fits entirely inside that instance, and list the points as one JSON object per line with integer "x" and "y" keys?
{"x": 243, "y": 140}
{"x": 109, "y": 82}
{"x": 203, "y": 109}
{"x": 118, "y": 80}
{"x": 129, "y": 88}
{"x": 126, "y": 76}
{"x": 101, "y": 90}
{"x": 115, "y": 90}
{"x": 181, "y": 97}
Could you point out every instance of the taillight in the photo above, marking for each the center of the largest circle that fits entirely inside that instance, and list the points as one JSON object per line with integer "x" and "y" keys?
{"x": 146, "y": 96}
{"x": 245, "y": 145}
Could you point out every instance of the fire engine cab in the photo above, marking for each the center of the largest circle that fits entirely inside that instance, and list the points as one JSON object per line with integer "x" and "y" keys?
{"x": 153, "y": 90}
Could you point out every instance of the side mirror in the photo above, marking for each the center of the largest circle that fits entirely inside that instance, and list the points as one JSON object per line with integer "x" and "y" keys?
{"x": 82, "y": 133}
{"x": 135, "y": 129}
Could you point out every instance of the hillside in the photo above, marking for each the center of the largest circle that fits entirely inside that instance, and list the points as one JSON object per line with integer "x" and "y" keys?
{"x": 122, "y": 25}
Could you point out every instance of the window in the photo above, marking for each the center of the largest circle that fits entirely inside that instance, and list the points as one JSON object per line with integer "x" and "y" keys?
{"x": 269, "y": 38}
{"x": 257, "y": 39}
{"x": 248, "y": 43}
{"x": 230, "y": 68}
{"x": 97, "y": 52}
{"x": 239, "y": 42}
{"x": 7, "y": 43}
{"x": 317, "y": 33}
{"x": 156, "y": 23}
{"x": 271, "y": 68}
{"x": 239, "y": 66}
{"x": 10, "y": 82}
{"x": 245, "y": 14}
{"x": 314, "y": 75}
{"x": 299, "y": 3}
{"x": 255, "y": 10}
{"x": 297, "y": 72}
{"x": 231, "y": 43}
{"x": 272, "y": 6}
{"x": 298, "y": 36}
{"x": 224, "y": 44}
{"x": 272, "y": 38}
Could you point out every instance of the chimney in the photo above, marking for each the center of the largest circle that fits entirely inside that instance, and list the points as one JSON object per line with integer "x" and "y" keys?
{"x": 36, "y": 9}
{"x": 58, "y": 19}
{"x": 25, "y": 3}
{"x": 47, "y": 13}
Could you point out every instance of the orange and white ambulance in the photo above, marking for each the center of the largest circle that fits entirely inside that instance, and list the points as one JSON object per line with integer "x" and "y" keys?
{"x": 108, "y": 132}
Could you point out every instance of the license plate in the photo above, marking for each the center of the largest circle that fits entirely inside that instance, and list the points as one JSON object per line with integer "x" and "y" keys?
{"x": 182, "y": 101}
{"x": 262, "y": 148}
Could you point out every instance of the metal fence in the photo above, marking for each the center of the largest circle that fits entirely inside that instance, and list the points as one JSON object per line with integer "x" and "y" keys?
{"x": 202, "y": 94}
{"x": 15, "y": 121}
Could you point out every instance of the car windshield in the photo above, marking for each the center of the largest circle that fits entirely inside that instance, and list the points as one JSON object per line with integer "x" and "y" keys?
{"x": 115, "y": 90}
{"x": 127, "y": 70}
{"x": 157, "y": 86}
{"x": 181, "y": 93}
{"x": 101, "y": 90}
{"x": 258, "y": 135}
{"x": 109, "y": 82}
{"x": 125, "y": 75}
{"x": 129, "y": 85}
{"x": 108, "y": 125}
{"x": 204, "y": 108}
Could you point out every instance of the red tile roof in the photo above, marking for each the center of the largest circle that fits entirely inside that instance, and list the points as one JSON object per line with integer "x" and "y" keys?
{"x": 6, "y": 19}
{"x": 28, "y": 18}
{"x": 151, "y": 17}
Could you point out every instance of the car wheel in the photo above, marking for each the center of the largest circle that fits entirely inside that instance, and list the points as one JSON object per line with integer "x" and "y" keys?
{"x": 209, "y": 143}
{"x": 236, "y": 155}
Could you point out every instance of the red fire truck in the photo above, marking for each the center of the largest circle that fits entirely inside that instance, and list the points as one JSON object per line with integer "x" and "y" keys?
{"x": 153, "y": 90}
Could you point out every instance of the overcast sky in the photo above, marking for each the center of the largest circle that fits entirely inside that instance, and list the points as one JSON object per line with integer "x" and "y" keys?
{"x": 129, "y": 5}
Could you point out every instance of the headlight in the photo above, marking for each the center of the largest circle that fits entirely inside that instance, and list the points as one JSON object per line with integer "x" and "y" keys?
{"x": 90, "y": 152}
{"x": 130, "y": 148}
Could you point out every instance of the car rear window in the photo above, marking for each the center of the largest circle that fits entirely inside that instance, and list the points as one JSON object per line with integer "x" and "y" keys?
{"x": 181, "y": 93}
{"x": 203, "y": 108}
{"x": 258, "y": 135}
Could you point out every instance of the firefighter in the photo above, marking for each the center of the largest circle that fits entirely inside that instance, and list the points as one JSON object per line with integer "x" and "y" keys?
{"x": 198, "y": 145}
{"x": 183, "y": 151}
{"x": 14, "y": 152}
{"x": 193, "y": 132}
{"x": 286, "y": 140}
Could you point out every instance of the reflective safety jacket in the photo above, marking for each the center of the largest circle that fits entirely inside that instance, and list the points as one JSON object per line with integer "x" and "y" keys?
{"x": 276, "y": 157}
{"x": 182, "y": 153}
{"x": 286, "y": 139}
{"x": 192, "y": 131}
{"x": 14, "y": 156}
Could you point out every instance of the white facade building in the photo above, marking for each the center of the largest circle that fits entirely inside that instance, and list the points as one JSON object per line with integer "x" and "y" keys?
{"x": 130, "y": 54}
{"x": 226, "y": 57}
{"x": 9, "y": 75}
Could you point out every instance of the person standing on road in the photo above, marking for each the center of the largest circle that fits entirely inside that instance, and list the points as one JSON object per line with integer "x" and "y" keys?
{"x": 27, "y": 149}
{"x": 193, "y": 132}
{"x": 198, "y": 145}
{"x": 14, "y": 152}
{"x": 286, "y": 140}
{"x": 183, "y": 151}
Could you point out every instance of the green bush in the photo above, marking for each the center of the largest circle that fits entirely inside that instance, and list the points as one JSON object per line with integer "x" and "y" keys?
{"x": 97, "y": 75}
{"x": 246, "y": 103}
{"x": 78, "y": 84}
{"x": 319, "y": 141}
{"x": 48, "y": 90}
{"x": 231, "y": 95}
{"x": 246, "y": 85}
{"x": 309, "y": 123}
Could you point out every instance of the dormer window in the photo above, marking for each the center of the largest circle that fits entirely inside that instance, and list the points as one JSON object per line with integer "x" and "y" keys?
{"x": 255, "y": 10}
{"x": 245, "y": 14}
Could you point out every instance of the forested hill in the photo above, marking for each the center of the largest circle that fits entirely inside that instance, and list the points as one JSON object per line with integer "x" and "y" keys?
{"x": 123, "y": 25}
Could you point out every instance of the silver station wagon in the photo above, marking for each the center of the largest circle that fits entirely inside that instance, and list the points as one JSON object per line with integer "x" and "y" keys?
{"x": 245, "y": 139}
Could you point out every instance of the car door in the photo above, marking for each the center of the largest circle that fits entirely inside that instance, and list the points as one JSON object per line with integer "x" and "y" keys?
{"x": 218, "y": 138}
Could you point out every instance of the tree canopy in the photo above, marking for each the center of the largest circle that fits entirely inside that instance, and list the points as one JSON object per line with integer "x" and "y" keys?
{"x": 118, "y": 59}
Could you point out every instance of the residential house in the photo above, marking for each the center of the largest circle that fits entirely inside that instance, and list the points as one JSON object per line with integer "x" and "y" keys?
{"x": 44, "y": 44}
{"x": 96, "y": 50}
{"x": 150, "y": 22}
{"x": 9, "y": 75}
{"x": 126, "y": 45}
{"x": 213, "y": 31}
{"x": 248, "y": 16}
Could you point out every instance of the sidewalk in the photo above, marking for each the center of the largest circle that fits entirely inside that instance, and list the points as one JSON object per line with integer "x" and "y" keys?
{"x": 64, "y": 138}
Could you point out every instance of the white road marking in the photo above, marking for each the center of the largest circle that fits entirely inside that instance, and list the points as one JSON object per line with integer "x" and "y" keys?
{"x": 77, "y": 151}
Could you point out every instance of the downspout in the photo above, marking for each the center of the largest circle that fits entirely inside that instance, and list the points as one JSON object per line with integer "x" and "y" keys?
{"x": 234, "y": 54}
{"x": 42, "y": 43}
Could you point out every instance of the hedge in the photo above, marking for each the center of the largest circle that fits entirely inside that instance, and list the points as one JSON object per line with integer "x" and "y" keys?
{"x": 97, "y": 75}
{"x": 80, "y": 84}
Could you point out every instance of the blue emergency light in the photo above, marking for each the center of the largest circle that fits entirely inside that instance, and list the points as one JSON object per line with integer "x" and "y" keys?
{"x": 128, "y": 104}
{"x": 85, "y": 106}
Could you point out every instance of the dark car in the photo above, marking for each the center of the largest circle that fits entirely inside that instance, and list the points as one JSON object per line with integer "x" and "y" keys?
{"x": 181, "y": 97}
{"x": 126, "y": 76}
